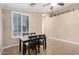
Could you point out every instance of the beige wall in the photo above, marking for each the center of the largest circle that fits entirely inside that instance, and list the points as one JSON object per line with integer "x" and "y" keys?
{"x": 65, "y": 26}
{"x": 7, "y": 29}
{"x": 35, "y": 25}
{"x": 0, "y": 28}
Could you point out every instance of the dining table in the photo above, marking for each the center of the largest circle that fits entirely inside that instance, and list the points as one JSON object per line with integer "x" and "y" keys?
{"x": 22, "y": 41}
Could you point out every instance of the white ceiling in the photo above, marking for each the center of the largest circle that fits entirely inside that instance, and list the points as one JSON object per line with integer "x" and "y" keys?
{"x": 37, "y": 8}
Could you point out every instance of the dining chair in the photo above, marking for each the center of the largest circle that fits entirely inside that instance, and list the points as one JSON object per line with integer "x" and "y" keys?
{"x": 31, "y": 44}
{"x": 42, "y": 42}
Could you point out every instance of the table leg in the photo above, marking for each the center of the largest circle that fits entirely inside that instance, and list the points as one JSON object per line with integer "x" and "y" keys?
{"x": 19, "y": 45}
{"x": 45, "y": 44}
{"x": 24, "y": 48}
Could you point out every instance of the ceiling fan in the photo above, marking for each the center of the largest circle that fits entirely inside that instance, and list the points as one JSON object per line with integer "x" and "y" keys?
{"x": 48, "y": 4}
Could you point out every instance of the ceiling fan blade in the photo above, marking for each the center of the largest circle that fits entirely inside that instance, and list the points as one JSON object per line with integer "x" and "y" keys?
{"x": 47, "y": 4}
{"x": 61, "y": 4}
{"x": 32, "y": 4}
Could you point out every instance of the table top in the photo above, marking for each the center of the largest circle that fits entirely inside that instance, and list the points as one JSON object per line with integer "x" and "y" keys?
{"x": 24, "y": 38}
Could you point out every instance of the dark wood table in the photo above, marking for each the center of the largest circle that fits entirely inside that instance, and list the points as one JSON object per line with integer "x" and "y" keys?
{"x": 22, "y": 42}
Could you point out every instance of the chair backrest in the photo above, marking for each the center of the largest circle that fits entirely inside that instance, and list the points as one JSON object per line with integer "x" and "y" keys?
{"x": 33, "y": 34}
{"x": 30, "y": 34}
{"x": 42, "y": 36}
{"x": 32, "y": 37}
{"x": 25, "y": 34}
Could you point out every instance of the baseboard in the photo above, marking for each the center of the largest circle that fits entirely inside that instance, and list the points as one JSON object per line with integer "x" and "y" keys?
{"x": 10, "y": 46}
{"x": 66, "y": 41}
{"x": 1, "y": 50}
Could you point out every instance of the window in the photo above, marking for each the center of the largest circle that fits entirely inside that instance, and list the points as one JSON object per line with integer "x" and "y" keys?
{"x": 20, "y": 24}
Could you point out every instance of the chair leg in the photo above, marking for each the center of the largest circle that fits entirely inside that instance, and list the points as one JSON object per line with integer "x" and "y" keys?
{"x": 43, "y": 47}
{"x": 36, "y": 50}
{"x": 28, "y": 51}
{"x": 25, "y": 49}
{"x": 32, "y": 49}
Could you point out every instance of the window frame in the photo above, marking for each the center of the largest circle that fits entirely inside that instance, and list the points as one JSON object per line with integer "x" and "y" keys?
{"x": 12, "y": 12}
